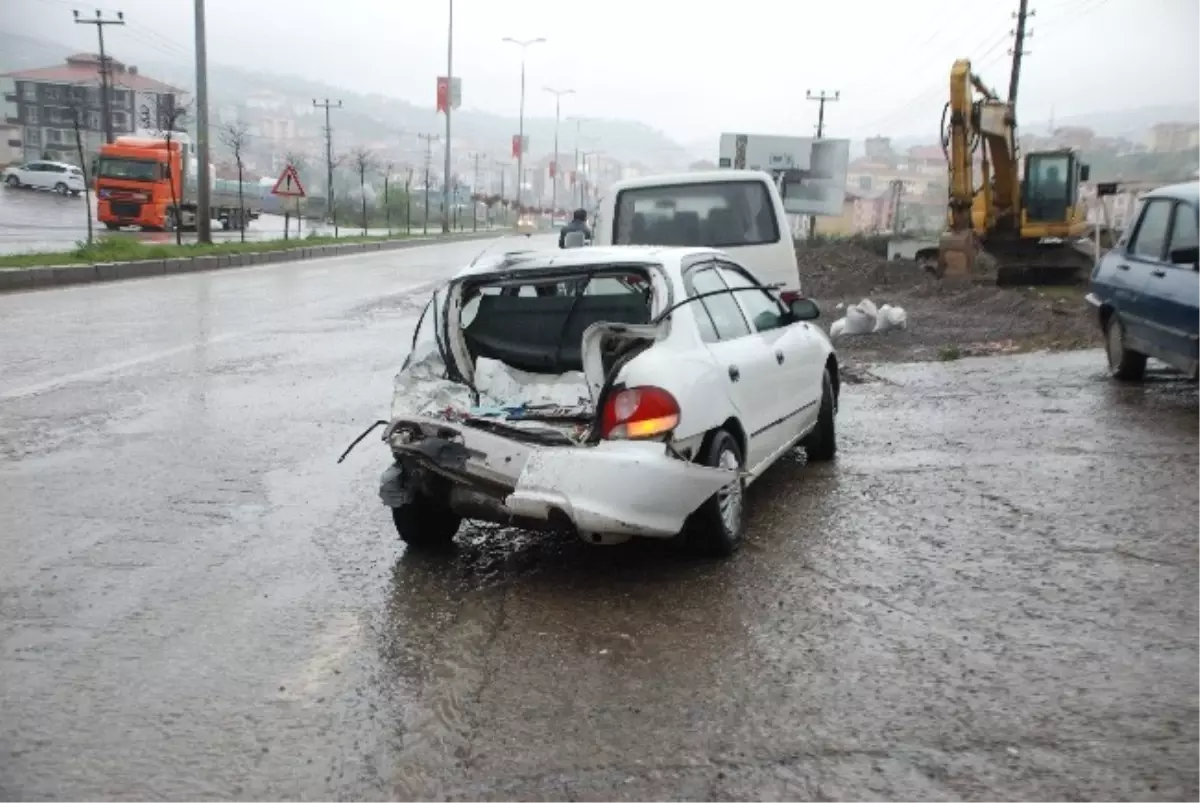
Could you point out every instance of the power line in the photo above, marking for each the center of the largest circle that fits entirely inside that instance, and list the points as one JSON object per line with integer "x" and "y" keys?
{"x": 105, "y": 68}
{"x": 933, "y": 90}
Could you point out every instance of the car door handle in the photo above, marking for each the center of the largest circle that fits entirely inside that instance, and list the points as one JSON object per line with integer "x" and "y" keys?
{"x": 1159, "y": 273}
{"x": 1122, "y": 267}
{"x": 779, "y": 357}
{"x": 734, "y": 373}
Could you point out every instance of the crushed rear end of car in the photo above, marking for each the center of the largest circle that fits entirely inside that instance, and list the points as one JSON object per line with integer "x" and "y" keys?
{"x": 506, "y": 409}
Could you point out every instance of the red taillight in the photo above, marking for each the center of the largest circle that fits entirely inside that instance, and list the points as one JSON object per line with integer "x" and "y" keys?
{"x": 788, "y": 296}
{"x": 644, "y": 412}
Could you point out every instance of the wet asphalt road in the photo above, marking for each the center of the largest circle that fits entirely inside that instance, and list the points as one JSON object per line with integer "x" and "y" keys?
{"x": 991, "y": 595}
{"x": 34, "y": 220}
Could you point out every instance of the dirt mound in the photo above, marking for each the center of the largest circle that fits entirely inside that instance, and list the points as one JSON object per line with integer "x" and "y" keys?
{"x": 837, "y": 270}
{"x": 944, "y": 318}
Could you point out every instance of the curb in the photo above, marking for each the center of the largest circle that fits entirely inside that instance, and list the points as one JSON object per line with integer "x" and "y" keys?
{"x": 15, "y": 279}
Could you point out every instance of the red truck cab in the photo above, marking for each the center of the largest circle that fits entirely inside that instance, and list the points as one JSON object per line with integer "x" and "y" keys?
{"x": 134, "y": 183}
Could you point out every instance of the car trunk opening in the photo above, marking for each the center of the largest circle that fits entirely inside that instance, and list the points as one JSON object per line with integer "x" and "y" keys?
{"x": 526, "y": 354}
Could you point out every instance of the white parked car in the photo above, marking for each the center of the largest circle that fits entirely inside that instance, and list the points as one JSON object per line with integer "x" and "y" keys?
{"x": 61, "y": 177}
{"x": 613, "y": 392}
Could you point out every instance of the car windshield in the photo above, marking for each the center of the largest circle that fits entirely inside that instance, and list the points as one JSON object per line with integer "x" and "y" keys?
{"x": 721, "y": 215}
{"x": 129, "y": 169}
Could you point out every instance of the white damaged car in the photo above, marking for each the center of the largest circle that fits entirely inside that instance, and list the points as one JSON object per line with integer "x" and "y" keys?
{"x": 612, "y": 392}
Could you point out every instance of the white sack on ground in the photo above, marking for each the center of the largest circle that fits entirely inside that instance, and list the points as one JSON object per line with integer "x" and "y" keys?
{"x": 890, "y": 318}
{"x": 865, "y": 318}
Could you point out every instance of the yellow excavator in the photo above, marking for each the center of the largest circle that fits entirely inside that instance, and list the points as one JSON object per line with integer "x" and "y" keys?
{"x": 1007, "y": 229}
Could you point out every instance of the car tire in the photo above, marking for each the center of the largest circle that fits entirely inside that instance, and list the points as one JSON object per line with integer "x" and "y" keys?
{"x": 112, "y": 226}
{"x": 1123, "y": 364}
{"x": 820, "y": 445}
{"x": 13, "y": 182}
{"x": 62, "y": 189}
{"x": 715, "y": 529}
{"x": 426, "y": 523}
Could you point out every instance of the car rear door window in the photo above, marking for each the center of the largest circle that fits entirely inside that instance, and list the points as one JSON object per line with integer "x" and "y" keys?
{"x": 725, "y": 315}
{"x": 1151, "y": 236}
{"x": 764, "y": 312}
{"x": 1184, "y": 227}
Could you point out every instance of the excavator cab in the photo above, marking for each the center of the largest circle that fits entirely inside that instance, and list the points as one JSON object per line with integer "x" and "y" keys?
{"x": 1050, "y": 190}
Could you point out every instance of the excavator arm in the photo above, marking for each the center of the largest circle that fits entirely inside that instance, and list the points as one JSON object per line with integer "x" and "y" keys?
{"x": 988, "y": 122}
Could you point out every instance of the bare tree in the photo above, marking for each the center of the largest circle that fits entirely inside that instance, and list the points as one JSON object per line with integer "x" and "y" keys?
{"x": 171, "y": 121}
{"x": 364, "y": 160}
{"x": 234, "y": 134}
{"x": 387, "y": 206}
{"x": 299, "y": 163}
{"x": 77, "y": 112}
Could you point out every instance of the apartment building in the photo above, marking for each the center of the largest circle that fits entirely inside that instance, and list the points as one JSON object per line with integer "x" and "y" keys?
{"x": 42, "y": 104}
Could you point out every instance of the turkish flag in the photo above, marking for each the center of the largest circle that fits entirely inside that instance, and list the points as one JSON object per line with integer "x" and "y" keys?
{"x": 553, "y": 169}
{"x": 443, "y": 94}
{"x": 516, "y": 145}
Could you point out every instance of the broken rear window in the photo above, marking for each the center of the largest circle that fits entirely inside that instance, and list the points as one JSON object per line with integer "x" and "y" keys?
{"x": 538, "y": 325}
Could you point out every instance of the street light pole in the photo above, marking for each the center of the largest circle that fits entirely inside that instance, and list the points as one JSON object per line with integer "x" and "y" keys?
{"x": 524, "y": 45}
{"x": 449, "y": 104}
{"x": 203, "y": 177}
{"x": 558, "y": 93}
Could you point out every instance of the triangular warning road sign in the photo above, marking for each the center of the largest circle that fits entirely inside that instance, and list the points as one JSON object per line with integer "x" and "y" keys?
{"x": 288, "y": 185}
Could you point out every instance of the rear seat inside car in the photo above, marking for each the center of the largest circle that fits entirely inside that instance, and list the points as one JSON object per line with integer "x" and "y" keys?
{"x": 543, "y": 334}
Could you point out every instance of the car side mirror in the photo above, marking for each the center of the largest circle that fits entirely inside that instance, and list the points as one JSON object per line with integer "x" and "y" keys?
{"x": 804, "y": 309}
{"x": 1188, "y": 255}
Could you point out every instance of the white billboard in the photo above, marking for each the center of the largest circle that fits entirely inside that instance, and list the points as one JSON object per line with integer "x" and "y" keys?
{"x": 810, "y": 173}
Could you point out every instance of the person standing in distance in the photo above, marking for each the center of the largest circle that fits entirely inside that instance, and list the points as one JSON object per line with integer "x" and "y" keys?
{"x": 576, "y": 233}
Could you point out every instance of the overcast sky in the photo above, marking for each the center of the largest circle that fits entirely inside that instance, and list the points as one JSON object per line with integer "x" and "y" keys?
{"x": 692, "y": 69}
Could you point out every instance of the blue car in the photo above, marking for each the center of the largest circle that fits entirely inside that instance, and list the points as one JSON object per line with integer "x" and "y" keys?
{"x": 1146, "y": 290}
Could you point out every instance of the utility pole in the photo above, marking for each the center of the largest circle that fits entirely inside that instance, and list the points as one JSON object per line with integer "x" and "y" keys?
{"x": 203, "y": 170}
{"x": 105, "y": 74}
{"x": 503, "y": 168}
{"x": 821, "y": 99}
{"x": 429, "y": 140}
{"x": 586, "y": 187}
{"x": 475, "y": 191}
{"x": 1018, "y": 49}
{"x": 524, "y": 45}
{"x": 557, "y": 93}
{"x": 575, "y": 163}
{"x": 449, "y": 103}
{"x": 330, "y": 208}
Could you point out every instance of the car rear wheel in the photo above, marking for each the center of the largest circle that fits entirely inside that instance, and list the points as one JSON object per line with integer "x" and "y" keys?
{"x": 715, "y": 529}
{"x": 426, "y": 522}
{"x": 820, "y": 445}
{"x": 61, "y": 188}
{"x": 13, "y": 182}
{"x": 1123, "y": 364}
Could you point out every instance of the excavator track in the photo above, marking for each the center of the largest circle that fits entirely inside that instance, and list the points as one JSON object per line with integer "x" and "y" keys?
{"x": 1062, "y": 263}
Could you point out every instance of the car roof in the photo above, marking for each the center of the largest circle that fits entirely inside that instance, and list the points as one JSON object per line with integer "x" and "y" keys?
{"x": 698, "y": 177}
{"x": 540, "y": 259}
{"x": 1184, "y": 191}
